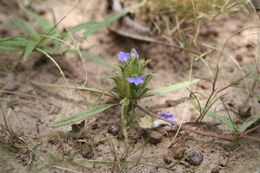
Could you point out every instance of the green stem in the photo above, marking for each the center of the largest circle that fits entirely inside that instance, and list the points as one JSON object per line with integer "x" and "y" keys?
{"x": 124, "y": 113}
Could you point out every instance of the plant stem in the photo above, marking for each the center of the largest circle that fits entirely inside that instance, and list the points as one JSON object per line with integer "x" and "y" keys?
{"x": 203, "y": 133}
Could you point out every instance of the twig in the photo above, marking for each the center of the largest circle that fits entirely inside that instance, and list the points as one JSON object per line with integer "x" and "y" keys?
{"x": 203, "y": 133}
{"x": 252, "y": 129}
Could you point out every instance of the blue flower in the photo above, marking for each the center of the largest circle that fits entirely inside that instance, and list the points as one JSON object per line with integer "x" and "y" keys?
{"x": 168, "y": 117}
{"x": 124, "y": 56}
{"x": 135, "y": 52}
{"x": 136, "y": 80}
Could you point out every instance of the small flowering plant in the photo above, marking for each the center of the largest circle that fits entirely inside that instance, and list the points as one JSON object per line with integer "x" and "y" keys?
{"x": 130, "y": 86}
{"x": 132, "y": 82}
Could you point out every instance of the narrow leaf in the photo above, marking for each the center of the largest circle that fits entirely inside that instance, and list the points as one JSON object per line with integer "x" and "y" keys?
{"x": 24, "y": 25}
{"x": 111, "y": 18}
{"x": 14, "y": 41}
{"x": 71, "y": 87}
{"x": 10, "y": 49}
{"x": 82, "y": 115}
{"x": 28, "y": 50}
{"x": 93, "y": 58}
{"x": 223, "y": 119}
{"x": 171, "y": 88}
{"x": 44, "y": 25}
{"x": 247, "y": 124}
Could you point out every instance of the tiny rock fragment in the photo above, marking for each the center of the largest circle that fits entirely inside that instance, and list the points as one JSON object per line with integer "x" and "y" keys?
{"x": 155, "y": 137}
{"x": 195, "y": 157}
{"x": 87, "y": 152}
{"x": 114, "y": 129}
{"x": 167, "y": 159}
{"x": 94, "y": 126}
{"x": 244, "y": 111}
{"x": 54, "y": 140}
{"x": 215, "y": 170}
{"x": 41, "y": 10}
{"x": 178, "y": 152}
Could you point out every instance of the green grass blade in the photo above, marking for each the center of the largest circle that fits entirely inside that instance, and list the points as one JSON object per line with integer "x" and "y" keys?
{"x": 108, "y": 20}
{"x": 223, "y": 119}
{"x": 171, "y": 88}
{"x": 10, "y": 49}
{"x": 28, "y": 50}
{"x": 14, "y": 41}
{"x": 44, "y": 25}
{"x": 245, "y": 125}
{"x": 82, "y": 115}
{"x": 51, "y": 51}
{"x": 93, "y": 58}
{"x": 81, "y": 26}
{"x": 42, "y": 22}
{"x": 71, "y": 87}
{"x": 24, "y": 25}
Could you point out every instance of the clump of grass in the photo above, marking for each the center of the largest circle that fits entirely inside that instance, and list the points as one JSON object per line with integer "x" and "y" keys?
{"x": 182, "y": 20}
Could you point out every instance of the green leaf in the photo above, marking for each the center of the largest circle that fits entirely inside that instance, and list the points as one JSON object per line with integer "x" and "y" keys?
{"x": 51, "y": 51}
{"x": 111, "y": 18}
{"x": 10, "y": 49}
{"x": 82, "y": 115}
{"x": 42, "y": 22}
{"x": 44, "y": 25}
{"x": 93, "y": 58}
{"x": 28, "y": 50}
{"x": 81, "y": 26}
{"x": 247, "y": 124}
{"x": 14, "y": 41}
{"x": 223, "y": 119}
{"x": 71, "y": 87}
{"x": 24, "y": 25}
{"x": 171, "y": 88}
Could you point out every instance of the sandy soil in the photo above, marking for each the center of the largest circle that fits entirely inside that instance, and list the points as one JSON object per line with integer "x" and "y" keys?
{"x": 30, "y": 117}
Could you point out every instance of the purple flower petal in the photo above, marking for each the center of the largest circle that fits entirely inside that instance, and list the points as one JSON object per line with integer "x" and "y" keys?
{"x": 136, "y": 80}
{"x": 130, "y": 80}
{"x": 168, "y": 117}
{"x": 124, "y": 56}
{"x": 135, "y": 52}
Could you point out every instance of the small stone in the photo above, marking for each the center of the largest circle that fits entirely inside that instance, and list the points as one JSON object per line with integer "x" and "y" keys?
{"x": 178, "y": 152}
{"x": 41, "y": 10}
{"x": 167, "y": 159}
{"x": 155, "y": 137}
{"x": 215, "y": 170}
{"x": 54, "y": 140}
{"x": 94, "y": 126}
{"x": 114, "y": 129}
{"x": 87, "y": 152}
{"x": 194, "y": 158}
{"x": 244, "y": 111}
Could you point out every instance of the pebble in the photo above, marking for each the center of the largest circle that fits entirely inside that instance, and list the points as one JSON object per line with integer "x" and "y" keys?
{"x": 87, "y": 152}
{"x": 178, "y": 152}
{"x": 244, "y": 111}
{"x": 94, "y": 126}
{"x": 114, "y": 129}
{"x": 167, "y": 159}
{"x": 195, "y": 157}
{"x": 155, "y": 137}
{"x": 41, "y": 10}
{"x": 215, "y": 170}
